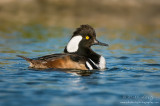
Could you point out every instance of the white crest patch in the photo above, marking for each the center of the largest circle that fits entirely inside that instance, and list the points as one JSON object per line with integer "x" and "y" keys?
{"x": 102, "y": 63}
{"x": 88, "y": 65}
{"x": 73, "y": 44}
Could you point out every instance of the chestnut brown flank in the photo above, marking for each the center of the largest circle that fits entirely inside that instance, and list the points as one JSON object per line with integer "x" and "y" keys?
{"x": 63, "y": 63}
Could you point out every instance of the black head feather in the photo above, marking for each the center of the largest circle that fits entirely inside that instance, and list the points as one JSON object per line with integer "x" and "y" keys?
{"x": 85, "y": 30}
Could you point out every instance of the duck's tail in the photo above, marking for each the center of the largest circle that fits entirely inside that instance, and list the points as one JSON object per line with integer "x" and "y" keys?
{"x": 25, "y": 58}
{"x": 33, "y": 63}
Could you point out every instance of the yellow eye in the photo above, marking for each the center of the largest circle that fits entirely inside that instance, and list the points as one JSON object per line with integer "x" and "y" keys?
{"x": 87, "y": 37}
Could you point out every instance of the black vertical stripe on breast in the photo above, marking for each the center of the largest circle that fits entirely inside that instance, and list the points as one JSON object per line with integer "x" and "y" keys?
{"x": 91, "y": 63}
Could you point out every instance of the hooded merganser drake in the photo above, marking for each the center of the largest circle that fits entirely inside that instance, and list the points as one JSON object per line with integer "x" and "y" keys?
{"x": 77, "y": 54}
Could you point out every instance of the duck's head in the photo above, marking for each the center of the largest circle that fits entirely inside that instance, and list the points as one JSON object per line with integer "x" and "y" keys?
{"x": 83, "y": 37}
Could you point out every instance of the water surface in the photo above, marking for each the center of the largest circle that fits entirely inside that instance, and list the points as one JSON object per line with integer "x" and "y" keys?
{"x": 132, "y": 76}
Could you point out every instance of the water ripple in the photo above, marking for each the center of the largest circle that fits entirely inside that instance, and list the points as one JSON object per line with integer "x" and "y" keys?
{"x": 133, "y": 70}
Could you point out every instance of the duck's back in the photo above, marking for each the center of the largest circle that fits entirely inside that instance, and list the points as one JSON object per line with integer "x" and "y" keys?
{"x": 62, "y": 61}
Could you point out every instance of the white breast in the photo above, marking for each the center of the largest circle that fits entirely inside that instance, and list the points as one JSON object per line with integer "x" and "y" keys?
{"x": 102, "y": 63}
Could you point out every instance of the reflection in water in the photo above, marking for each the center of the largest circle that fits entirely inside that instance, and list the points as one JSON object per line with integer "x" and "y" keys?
{"x": 157, "y": 94}
{"x": 74, "y": 72}
{"x": 79, "y": 72}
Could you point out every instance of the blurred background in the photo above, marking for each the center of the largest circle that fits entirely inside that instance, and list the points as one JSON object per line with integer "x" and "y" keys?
{"x": 70, "y": 13}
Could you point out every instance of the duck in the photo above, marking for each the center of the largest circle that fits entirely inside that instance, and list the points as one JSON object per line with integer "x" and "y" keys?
{"x": 77, "y": 53}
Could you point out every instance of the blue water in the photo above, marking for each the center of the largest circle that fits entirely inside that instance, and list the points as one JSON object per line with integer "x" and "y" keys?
{"x": 132, "y": 76}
